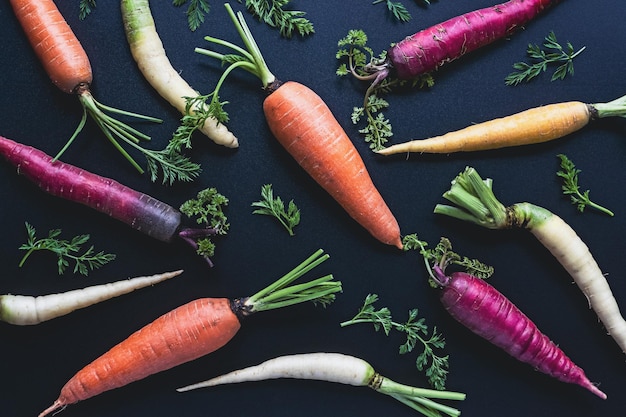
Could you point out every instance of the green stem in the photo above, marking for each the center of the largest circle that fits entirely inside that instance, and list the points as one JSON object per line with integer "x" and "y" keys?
{"x": 476, "y": 203}
{"x": 280, "y": 294}
{"x": 420, "y": 399}
{"x": 615, "y": 108}
{"x": 109, "y": 126}
{"x": 249, "y": 58}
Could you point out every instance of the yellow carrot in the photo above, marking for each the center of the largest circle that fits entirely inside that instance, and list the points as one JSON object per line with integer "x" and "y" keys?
{"x": 536, "y": 125}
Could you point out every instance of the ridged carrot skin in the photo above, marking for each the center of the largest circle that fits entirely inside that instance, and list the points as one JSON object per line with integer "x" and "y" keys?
{"x": 489, "y": 314}
{"x": 140, "y": 211}
{"x": 181, "y": 335}
{"x": 430, "y": 48}
{"x": 536, "y": 125}
{"x": 65, "y": 61}
{"x": 307, "y": 129}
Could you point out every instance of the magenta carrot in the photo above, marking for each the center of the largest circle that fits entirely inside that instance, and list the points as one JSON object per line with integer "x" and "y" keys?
{"x": 189, "y": 332}
{"x": 138, "y": 210}
{"x": 429, "y": 49}
{"x": 488, "y": 313}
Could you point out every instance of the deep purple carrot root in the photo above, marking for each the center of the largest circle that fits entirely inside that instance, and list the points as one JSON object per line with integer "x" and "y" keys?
{"x": 488, "y": 313}
{"x": 138, "y": 210}
{"x": 430, "y": 48}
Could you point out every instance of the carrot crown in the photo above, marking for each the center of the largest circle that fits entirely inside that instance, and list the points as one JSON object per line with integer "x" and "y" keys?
{"x": 615, "y": 108}
{"x": 476, "y": 203}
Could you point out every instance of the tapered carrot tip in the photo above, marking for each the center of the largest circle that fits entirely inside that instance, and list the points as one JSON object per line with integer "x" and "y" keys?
{"x": 596, "y": 390}
{"x": 54, "y": 407}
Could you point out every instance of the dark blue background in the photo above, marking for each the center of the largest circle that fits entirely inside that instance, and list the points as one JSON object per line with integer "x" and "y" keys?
{"x": 38, "y": 360}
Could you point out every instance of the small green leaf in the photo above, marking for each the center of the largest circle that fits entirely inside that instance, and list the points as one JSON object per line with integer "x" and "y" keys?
{"x": 415, "y": 330}
{"x": 274, "y": 206}
{"x": 65, "y": 251}
{"x": 554, "y": 54}
{"x": 570, "y": 187}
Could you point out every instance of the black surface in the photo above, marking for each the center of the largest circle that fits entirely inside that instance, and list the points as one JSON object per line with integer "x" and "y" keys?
{"x": 38, "y": 360}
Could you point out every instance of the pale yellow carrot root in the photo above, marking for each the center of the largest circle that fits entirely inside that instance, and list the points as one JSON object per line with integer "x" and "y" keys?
{"x": 149, "y": 53}
{"x": 563, "y": 242}
{"x": 536, "y": 125}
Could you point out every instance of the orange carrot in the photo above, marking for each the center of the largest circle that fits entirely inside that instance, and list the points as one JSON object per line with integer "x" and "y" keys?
{"x": 185, "y": 333}
{"x": 189, "y": 332}
{"x": 67, "y": 64}
{"x": 55, "y": 44}
{"x": 307, "y": 129}
{"x": 536, "y": 125}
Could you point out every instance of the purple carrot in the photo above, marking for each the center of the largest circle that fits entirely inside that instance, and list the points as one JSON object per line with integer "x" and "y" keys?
{"x": 138, "y": 210}
{"x": 430, "y": 48}
{"x": 488, "y": 313}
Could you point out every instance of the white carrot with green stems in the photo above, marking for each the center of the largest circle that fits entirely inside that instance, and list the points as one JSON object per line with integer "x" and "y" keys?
{"x": 474, "y": 201}
{"x": 149, "y": 53}
{"x": 342, "y": 369}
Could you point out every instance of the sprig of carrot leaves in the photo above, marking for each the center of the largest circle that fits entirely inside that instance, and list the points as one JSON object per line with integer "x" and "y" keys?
{"x": 85, "y": 7}
{"x": 435, "y": 365}
{"x": 66, "y": 251}
{"x": 275, "y": 207}
{"x": 274, "y": 14}
{"x": 397, "y": 9}
{"x": 361, "y": 62}
{"x": 208, "y": 210}
{"x": 442, "y": 255}
{"x": 552, "y": 53}
{"x": 194, "y": 120}
{"x": 196, "y": 11}
{"x": 570, "y": 187}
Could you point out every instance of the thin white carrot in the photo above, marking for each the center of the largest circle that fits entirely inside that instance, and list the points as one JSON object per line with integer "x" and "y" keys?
{"x": 475, "y": 202}
{"x": 28, "y": 310}
{"x": 342, "y": 369}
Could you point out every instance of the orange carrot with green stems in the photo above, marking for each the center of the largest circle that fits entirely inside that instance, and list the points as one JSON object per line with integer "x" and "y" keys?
{"x": 189, "y": 332}
{"x": 307, "y": 129}
{"x": 532, "y": 126}
{"x": 68, "y": 66}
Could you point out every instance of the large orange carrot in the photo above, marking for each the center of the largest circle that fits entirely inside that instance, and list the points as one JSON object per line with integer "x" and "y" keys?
{"x": 189, "y": 332}
{"x": 307, "y": 129}
{"x": 536, "y": 125}
{"x": 305, "y": 126}
{"x": 198, "y": 328}
{"x": 67, "y": 64}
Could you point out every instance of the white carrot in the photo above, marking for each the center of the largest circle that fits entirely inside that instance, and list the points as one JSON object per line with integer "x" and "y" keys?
{"x": 476, "y": 203}
{"x": 147, "y": 50}
{"x": 342, "y": 369}
{"x": 28, "y": 310}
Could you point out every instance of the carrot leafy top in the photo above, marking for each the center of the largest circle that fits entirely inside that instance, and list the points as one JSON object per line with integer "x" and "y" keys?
{"x": 358, "y": 59}
{"x": 281, "y": 293}
{"x": 475, "y": 202}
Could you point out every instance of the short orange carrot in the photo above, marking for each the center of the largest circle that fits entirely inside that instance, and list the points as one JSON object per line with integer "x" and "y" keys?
{"x": 188, "y": 332}
{"x": 68, "y": 66}
{"x": 307, "y": 129}
{"x": 532, "y": 126}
